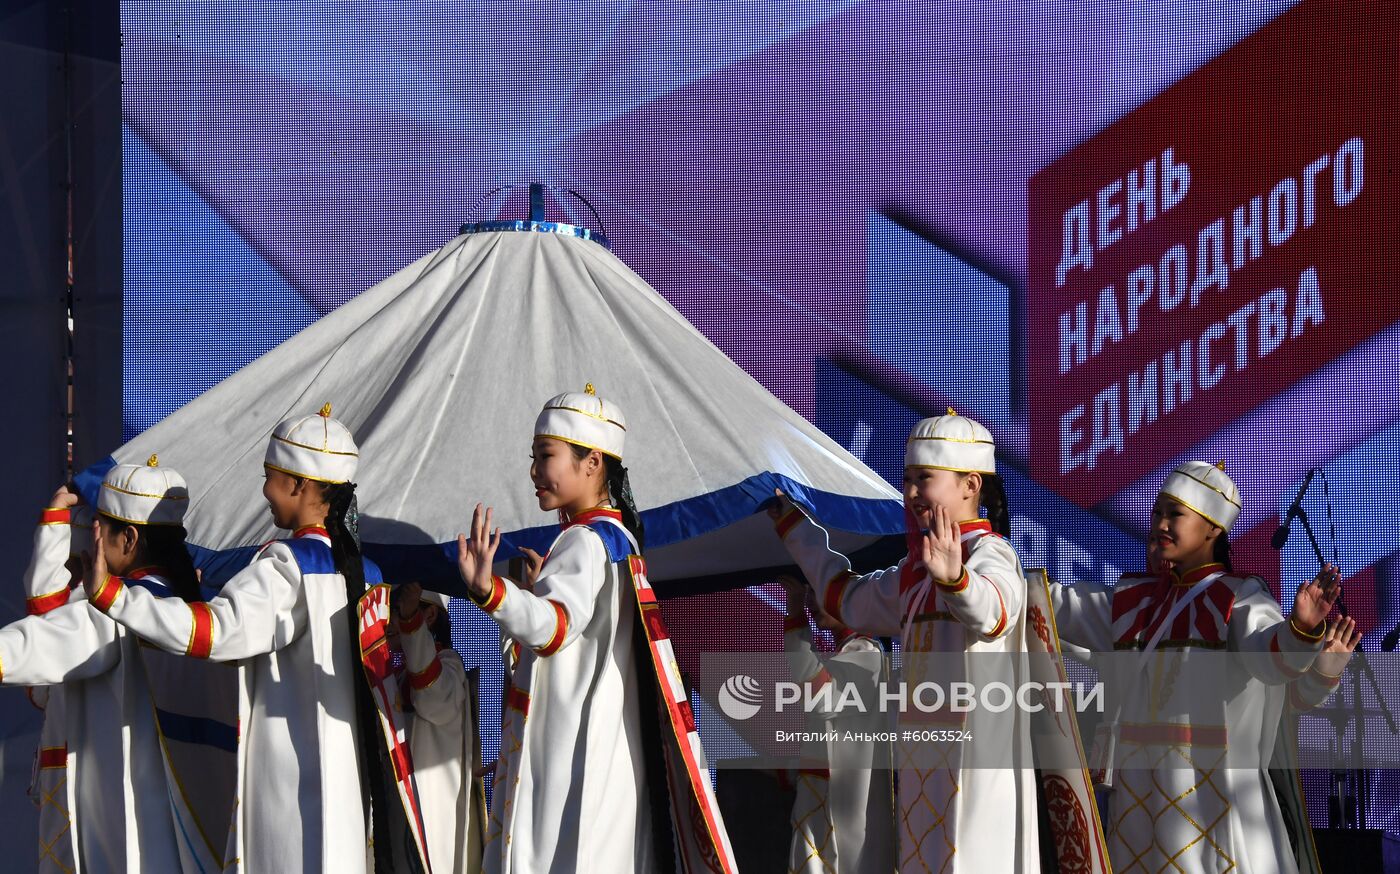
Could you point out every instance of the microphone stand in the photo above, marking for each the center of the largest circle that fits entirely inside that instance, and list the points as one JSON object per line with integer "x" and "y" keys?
{"x": 1359, "y": 779}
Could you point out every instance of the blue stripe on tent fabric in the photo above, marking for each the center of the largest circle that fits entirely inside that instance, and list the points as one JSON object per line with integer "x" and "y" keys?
{"x": 89, "y": 480}
{"x": 198, "y": 730}
{"x": 435, "y": 564}
{"x": 218, "y": 566}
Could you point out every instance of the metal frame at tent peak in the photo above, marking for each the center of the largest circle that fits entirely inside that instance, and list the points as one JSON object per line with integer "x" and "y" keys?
{"x": 536, "y": 221}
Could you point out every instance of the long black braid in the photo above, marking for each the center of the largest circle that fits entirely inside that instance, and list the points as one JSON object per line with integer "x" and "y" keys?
{"x": 993, "y": 497}
{"x": 620, "y": 488}
{"x": 1222, "y": 551}
{"x": 619, "y": 492}
{"x": 343, "y": 526}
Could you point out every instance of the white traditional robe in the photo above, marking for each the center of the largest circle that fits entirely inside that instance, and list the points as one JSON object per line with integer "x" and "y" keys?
{"x": 843, "y": 812}
{"x": 443, "y": 744}
{"x": 46, "y": 589}
{"x": 115, "y": 786}
{"x": 298, "y": 804}
{"x": 952, "y": 816}
{"x": 571, "y": 790}
{"x": 1187, "y": 712}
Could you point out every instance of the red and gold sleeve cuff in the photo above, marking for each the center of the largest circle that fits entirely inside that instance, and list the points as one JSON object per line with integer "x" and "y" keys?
{"x": 107, "y": 593}
{"x": 201, "y": 631}
{"x": 492, "y": 602}
{"x": 1324, "y": 677}
{"x": 51, "y": 758}
{"x": 955, "y": 586}
{"x": 421, "y": 680}
{"x": 56, "y": 516}
{"x": 41, "y": 604}
{"x": 835, "y": 591}
{"x": 412, "y": 623}
{"x": 1308, "y": 637}
{"x": 561, "y": 630}
{"x": 1283, "y": 667}
{"x": 788, "y": 521}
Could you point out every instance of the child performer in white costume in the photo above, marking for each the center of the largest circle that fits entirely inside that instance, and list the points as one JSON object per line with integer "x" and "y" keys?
{"x": 124, "y": 814}
{"x": 1180, "y": 707}
{"x": 587, "y": 780}
{"x": 288, "y": 620}
{"x": 442, "y": 733}
{"x": 49, "y": 583}
{"x": 960, "y": 590}
{"x": 843, "y": 810}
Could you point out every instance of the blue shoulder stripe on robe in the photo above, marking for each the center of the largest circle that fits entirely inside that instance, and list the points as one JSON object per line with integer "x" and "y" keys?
{"x": 614, "y": 540}
{"x": 315, "y": 557}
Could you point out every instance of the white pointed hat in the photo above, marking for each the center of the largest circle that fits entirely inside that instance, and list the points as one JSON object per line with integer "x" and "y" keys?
{"x": 144, "y": 494}
{"x": 584, "y": 419}
{"x": 1206, "y": 489}
{"x": 951, "y": 442}
{"x": 317, "y": 447}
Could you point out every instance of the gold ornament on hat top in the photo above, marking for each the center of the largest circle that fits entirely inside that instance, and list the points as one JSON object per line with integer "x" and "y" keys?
{"x": 588, "y": 389}
{"x": 326, "y": 411}
{"x": 952, "y": 412}
{"x": 153, "y": 461}
{"x": 1220, "y": 465}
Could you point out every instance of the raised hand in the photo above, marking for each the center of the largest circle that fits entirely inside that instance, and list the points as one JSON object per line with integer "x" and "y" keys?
{"x": 65, "y": 498}
{"x": 533, "y": 562}
{"x": 1339, "y": 641}
{"x": 1316, "y": 598}
{"x": 475, "y": 556}
{"x": 777, "y": 508}
{"x": 410, "y": 597}
{"x": 95, "y": 565}
{"x": 796, "y": 594}
{"x": 942, "y": 547}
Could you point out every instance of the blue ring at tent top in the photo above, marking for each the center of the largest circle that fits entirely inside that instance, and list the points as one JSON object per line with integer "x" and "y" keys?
{"x": 538, "y": 227}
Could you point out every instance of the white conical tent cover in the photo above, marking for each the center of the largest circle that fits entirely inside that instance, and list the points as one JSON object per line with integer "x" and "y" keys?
{"x": 440, "y": 370}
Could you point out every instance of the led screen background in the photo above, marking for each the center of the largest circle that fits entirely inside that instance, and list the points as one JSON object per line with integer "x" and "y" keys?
{"x": 852, "y": 200}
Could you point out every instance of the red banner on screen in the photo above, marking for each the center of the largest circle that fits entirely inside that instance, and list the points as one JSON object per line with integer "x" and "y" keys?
{"x": 1213, "y": 246}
